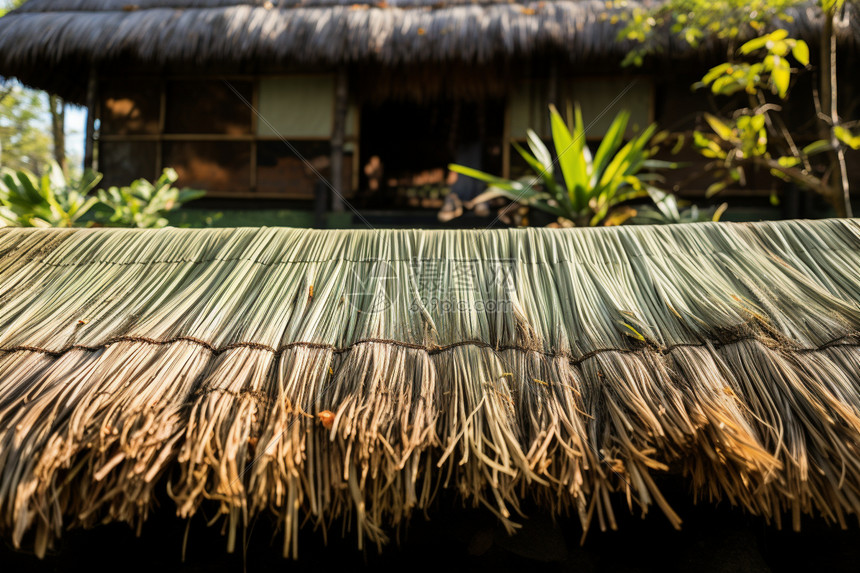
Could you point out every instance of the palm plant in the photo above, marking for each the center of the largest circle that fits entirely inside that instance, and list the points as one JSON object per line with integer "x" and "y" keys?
{"x": 591, "y": 188}
{"x": 52, "y": 200}
{"x": 669, "y": 209}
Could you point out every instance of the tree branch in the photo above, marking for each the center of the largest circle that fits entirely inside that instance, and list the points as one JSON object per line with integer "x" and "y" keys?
{"x": 796, "y": 174}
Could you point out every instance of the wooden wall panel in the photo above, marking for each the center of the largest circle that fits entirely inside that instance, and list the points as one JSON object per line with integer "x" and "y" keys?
{"x": 130, "y": 106}
{"x": 209, "y": 106}
{"x": 281, "y": 173}
{"x": 211, "y": 165}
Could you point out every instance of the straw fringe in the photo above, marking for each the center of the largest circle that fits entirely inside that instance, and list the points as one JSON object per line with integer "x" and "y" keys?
{"x": 52, "y": 44}
{"x": 316, "y": 376}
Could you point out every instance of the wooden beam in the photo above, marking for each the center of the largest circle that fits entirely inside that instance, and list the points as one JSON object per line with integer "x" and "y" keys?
{"x": 92, "y": 103}
{"x": 506, "y": 139}
{"x": 162, "y": 120}
{"x": 176, "y": 137}
{"x": 255, "y": 105}
{"x": 341, "y": 99}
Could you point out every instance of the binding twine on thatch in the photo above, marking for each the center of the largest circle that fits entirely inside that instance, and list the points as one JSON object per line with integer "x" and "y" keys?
{"x": 321, "y": 375}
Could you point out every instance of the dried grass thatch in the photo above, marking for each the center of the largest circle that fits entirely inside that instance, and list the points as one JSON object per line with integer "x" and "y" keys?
{"x": 52, "y": 44}
{"x": 326, "y": 374}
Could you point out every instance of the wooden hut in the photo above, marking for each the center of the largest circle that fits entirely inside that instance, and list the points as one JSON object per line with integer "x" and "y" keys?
{"x": 254, "y": 99}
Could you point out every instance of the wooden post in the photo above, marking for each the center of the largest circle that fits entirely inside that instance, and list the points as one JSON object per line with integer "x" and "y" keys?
{"x": 92, "y": 102}
{"x": 506, "y": 138}
{"x": 58, "y": 129}
{"x": 162, "y": 119}
{"x": 255, "y": 104}
{"x": 338, "y": 135}
{"x": 552, "y": 85}
{"x": 320, "y": 196}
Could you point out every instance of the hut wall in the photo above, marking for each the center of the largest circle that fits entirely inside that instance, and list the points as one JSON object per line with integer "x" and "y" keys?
{"x": 601, "y": 98}
{"x": 206, "y": 127}
{"x": 261, "y": 137}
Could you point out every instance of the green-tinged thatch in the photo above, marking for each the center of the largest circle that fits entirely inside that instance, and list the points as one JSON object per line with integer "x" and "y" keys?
{"x": 318, "y": 375}
{"x": 52, "y": 44}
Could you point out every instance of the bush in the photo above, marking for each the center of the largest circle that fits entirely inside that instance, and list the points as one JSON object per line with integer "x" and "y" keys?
{"x": 55, "y": 200}
{"x": 143, "y": 204}
{"x": 52, "y": 200}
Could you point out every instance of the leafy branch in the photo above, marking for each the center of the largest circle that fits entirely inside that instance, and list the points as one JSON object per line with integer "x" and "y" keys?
{"x": 762, "y": 67}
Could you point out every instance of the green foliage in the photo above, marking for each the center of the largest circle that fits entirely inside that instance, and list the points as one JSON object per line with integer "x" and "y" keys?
{"x": 143, "y": 204}
{"x": 51, "y": 200}
{"x": 761, "y": 68}
{"x": 55, "y": 200}
{"x": 830, "y": 6}
{"x": 589, "y": 187}
{"x": 695, "y": 20}
{"x": 745, "y": 136}
{"x": 669, "y": 209}
{"x": 846, "y": 137}
{"x": 25, "y": 140}
{"x": 770, "y": 70}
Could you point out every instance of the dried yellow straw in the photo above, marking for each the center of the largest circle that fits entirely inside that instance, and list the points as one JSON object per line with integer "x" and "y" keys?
{"x": 320, "y": 375}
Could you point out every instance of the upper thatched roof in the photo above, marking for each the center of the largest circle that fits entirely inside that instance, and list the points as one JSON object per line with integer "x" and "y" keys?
{"x": 52, "y": 43}
{"x": 320, "y": 374}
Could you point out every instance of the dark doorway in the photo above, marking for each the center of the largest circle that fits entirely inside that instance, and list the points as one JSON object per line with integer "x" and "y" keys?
{"x": 406, "y": 148}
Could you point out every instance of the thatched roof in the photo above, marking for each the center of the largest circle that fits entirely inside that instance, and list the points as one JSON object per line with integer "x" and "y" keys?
{"x": 325, "y": 374}
{"x": 51, "y": 44}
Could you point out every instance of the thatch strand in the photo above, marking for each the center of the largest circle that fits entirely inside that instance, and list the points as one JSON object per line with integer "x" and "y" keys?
{"x": 353, "y": 374}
